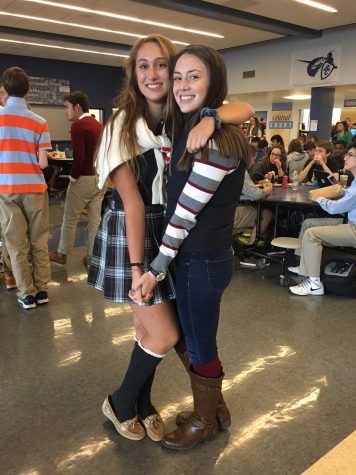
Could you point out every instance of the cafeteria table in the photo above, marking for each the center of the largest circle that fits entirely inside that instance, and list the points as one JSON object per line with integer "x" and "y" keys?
{"x": 290, "y": 198}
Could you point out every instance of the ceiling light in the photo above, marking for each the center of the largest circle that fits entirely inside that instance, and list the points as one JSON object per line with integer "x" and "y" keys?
{"x": 77, "y": 25}
{"x": 5, "y": 40}
{"x": 319, "y": 5}
{"x": 123, "y": 17}
{"x": 298, "y": 97}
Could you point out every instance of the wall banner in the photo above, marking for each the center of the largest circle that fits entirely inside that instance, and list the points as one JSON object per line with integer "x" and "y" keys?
{"x": 281, "y": 120}
{"x": 316, "y": 66}
{"x": 47, "y": 91}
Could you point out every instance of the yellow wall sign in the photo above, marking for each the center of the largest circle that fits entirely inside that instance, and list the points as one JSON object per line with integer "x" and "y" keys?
{"x": 281, "y": 120}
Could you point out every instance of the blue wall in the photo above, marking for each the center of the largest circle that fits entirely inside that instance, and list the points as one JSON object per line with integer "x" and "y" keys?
{"x": 101, "y": 83}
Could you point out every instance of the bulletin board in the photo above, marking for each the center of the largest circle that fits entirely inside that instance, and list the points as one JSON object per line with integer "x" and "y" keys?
{"x": 47, "y": 91}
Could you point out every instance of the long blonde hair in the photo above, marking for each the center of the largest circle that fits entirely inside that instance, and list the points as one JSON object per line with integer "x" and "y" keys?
{"x": 132, "y": 102}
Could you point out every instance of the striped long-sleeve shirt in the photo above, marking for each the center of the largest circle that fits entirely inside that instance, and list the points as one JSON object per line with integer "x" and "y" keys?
{"x": 22, "y": 134}
{"x": 203, "y": 216}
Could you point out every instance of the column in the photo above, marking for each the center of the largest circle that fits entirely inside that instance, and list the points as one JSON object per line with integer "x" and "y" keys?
{"x": 321, "y": 110}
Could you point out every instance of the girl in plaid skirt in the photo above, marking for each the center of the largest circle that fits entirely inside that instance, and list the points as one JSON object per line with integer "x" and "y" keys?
{"x": 133, "y": 151}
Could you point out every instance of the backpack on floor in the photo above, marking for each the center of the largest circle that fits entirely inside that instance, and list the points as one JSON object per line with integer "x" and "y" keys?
{"x": 339, "y": 276}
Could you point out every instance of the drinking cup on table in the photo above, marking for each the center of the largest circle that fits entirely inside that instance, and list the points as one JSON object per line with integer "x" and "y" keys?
{"x": 343, "y": 180}
{"x": 295, "y": 185}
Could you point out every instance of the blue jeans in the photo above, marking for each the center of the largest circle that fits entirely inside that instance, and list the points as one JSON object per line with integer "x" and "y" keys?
{"x": 200, "y": 282}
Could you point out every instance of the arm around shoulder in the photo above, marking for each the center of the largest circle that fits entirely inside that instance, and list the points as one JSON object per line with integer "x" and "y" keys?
{"x": 235, "y": 112}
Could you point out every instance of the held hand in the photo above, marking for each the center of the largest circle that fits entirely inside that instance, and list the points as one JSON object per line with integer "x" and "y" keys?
{"x": 270, "y": 175}
{"x": 146, "y": 283}
{"x": 135, "y": 293}
{"x": 200, "y": 134}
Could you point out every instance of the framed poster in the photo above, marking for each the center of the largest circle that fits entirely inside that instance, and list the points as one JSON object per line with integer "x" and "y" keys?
{"x": 47, "y": 91}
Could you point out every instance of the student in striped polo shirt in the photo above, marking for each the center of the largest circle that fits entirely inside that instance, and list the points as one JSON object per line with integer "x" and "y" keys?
{"x": 9, "y": 278}
{"x": 203, "y": 190}
{"x": 24, "y": 141}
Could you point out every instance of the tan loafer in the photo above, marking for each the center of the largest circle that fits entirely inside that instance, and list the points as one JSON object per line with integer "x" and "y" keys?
{"x": 154, "y": 426}
{"x": 131, "y": 429}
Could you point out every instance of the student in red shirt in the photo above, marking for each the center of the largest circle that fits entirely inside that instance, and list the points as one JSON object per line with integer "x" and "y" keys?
{"x": 83, "y": 192}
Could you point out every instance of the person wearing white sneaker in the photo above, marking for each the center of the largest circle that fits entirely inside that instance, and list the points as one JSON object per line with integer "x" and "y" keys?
{"x": 323, "y": 152}
{"x": 294, "y": 270}
{"x": 311, "y": 286}
{"x": 336, "y": 235}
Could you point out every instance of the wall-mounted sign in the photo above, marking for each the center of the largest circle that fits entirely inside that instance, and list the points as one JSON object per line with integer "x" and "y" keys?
{"x": 316, "y": 66}
{"x": 350, "y": 103}
{"x": 281, "y": 120}
{"x": 47, "y": 91}
{"x": 281, "y": 125}
{"x": 313, "y": 127}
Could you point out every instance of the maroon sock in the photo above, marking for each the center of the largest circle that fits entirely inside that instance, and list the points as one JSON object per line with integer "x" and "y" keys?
{"x": 208, "y": 370}
{"x": 180, "y": 348}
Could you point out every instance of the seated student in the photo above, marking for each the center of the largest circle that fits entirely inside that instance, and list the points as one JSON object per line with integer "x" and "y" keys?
{"x": 339, "y": 152}
{"x": 335, "y": 235}
{"x": 246, "y": 215}
{"x": 302, "y": 139}
{"x": 312, "y": 138}
{"x": 255, "y": 142}
{"x": 296, "y": 158}
{"x": 277, "y": 141}
{"x": 322, "y": 161}
{"x": 310, "y": 148}
{"x": 262, "y": 150}
{"x": 272, "y": 166}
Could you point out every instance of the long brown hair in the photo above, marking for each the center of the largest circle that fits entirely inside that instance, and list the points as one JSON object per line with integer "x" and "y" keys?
{"x": 229, "y": 139}
{"x": 253, "y": 129}
{"x": 266, "y": 158}
{"x": 131, "y": 100}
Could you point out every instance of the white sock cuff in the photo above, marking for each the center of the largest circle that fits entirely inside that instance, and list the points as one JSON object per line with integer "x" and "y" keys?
{"x": 149, "y": 352}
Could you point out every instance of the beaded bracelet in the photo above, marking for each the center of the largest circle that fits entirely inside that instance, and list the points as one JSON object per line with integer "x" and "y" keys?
{"x": 137, "y": 264}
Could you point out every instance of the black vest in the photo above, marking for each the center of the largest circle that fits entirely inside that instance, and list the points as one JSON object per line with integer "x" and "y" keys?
{"x": 214, "y": 224}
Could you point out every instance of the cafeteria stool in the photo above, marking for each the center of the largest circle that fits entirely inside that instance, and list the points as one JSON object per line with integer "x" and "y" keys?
{"x": 290, "y": 244}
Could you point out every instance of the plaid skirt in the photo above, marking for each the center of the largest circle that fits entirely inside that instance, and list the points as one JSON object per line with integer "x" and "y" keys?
{"x": 110, "y": 269}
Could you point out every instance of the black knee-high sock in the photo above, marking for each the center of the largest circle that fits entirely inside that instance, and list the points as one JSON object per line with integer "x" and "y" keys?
{"x": 144, "y": 405}
{"x": 142, "y": 366}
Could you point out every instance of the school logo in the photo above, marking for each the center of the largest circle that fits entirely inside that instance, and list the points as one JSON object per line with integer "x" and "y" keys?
{"x": 324, "y": 64}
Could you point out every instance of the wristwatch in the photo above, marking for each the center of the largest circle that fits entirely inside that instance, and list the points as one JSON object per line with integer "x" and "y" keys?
{"x": 158, "y": 275}
{"x": 207, "y": 112}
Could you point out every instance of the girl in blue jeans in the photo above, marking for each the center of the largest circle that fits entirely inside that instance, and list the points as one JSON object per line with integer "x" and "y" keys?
{"x": 203, "y": 189}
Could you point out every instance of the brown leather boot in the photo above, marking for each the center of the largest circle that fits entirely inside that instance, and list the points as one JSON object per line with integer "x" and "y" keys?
{"x": 222, "y": 412}
{"x": 202, "y": 425}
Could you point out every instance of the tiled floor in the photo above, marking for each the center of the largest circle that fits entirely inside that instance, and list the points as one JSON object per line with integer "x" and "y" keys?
{"x": 290, "y": 380}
